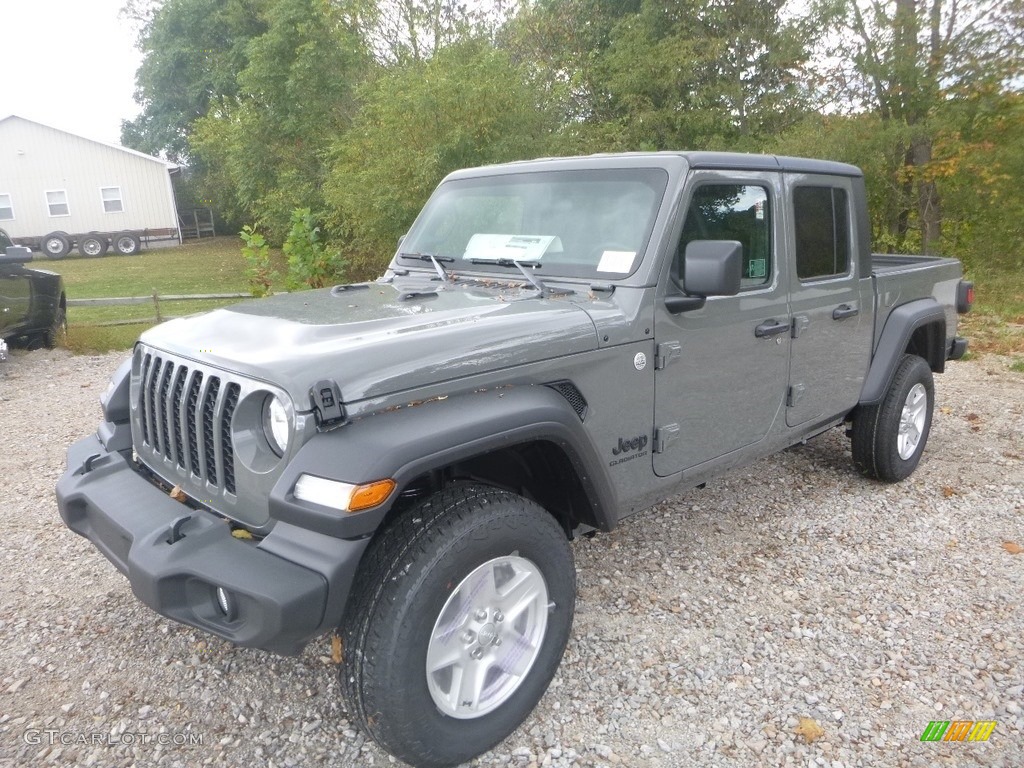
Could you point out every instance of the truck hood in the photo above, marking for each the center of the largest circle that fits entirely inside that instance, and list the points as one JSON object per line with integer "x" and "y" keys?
{"x": 377, "y": 339}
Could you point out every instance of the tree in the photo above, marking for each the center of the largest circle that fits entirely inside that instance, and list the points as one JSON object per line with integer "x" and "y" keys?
{"x": 192, "y": 52}
{"x": 467, "y": 105}
{"x": 666, "y": 74}
{"x": 910, "y": 59}
{"x": 265, "y": 150}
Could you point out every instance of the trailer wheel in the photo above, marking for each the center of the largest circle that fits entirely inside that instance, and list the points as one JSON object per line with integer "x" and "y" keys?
{"x": 55, "y": 245}
{"x": 127, "y": 243}
{"x": 93, "y": 244}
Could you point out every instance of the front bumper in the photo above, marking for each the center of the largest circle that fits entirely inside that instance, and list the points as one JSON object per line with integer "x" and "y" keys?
{"x": 285, "y": 590}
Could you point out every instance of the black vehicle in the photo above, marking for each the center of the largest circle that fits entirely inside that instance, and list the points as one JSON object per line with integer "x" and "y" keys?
{"x": 33, "y": 306}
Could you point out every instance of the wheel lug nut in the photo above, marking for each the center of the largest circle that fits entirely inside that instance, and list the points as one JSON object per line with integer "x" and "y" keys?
{"x": 477, "y": 653}
{"x": 499, "y": 616}
{"x": 468, "y": 636}
{"x": 497, "y": 641}
{"x": 481, "y": 615}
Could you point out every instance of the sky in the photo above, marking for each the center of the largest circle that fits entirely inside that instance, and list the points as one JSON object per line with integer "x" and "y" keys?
{"x": 69, "y": 64}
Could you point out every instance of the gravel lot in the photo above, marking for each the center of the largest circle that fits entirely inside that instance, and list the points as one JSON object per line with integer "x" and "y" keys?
{"x": 706, "y": 627}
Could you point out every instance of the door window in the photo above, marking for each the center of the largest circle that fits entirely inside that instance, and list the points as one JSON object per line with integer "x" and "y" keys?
{"x": 822, "y": 232}
{"x": 732, "y": 212}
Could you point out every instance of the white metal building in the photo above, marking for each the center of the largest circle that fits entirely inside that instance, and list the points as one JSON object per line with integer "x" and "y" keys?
{"x": 54, "y": 181}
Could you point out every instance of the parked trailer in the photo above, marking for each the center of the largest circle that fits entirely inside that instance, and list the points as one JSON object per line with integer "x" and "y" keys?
{"x": 58, "y": 244}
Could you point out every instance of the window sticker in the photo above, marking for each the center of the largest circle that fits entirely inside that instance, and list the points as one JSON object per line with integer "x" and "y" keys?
{"x": 518, "y": 247}
{"x": 616, "y": 261}
{"x": 756, "y": 268}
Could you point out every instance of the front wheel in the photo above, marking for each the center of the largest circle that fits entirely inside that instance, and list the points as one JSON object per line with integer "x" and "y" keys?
{"x": 889, "y": 438}
{"x": 458, "y": 621}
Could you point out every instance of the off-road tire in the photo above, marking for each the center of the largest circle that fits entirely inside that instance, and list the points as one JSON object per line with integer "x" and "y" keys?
{"x": 405, "y": 579}
{"x": 876, "y": 428}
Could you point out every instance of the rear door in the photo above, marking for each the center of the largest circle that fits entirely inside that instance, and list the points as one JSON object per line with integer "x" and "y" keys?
{"x": 831, "y": 304}
{"x": 719, "y": 386}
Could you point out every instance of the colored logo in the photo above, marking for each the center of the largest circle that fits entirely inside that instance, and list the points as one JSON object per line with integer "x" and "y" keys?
{"x": 958, "y": 730}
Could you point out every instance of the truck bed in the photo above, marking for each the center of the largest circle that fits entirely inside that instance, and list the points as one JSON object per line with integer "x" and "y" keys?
{"x": 899, "y": 279}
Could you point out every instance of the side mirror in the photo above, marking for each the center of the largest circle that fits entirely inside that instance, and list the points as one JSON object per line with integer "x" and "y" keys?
{"x": 710, "y": 268}
{"x": 401, "y": 238}
{"x": 16, "y": 254}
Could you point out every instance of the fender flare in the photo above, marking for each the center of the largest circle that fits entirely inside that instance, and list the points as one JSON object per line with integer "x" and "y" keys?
{"x": 407, "y": 442}
{"x": 896, "y": 335}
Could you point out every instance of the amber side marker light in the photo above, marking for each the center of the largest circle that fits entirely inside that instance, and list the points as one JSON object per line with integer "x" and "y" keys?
{"x": 370, "y": 495}
{"x": 344, "y": 497}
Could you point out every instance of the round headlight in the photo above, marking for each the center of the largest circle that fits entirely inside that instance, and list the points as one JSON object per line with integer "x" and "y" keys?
{"x": 275, "y": 424}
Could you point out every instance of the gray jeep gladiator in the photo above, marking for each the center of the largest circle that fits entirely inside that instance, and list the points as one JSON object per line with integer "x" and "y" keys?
{"x": 556, "y": 345}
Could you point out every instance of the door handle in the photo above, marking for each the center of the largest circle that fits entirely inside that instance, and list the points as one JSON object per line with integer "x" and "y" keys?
{"x": 771, "y": 328}
{"x": 843, "y": 311}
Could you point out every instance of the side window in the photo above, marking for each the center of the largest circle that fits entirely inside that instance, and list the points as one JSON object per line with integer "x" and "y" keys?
{"x": 822, "y": 232}
{"x": 6, "y": 208}
{"x": 111, "y": 198}
{"x": 5, "y": 241}
{"x": 732, "y": 212}
{"x": 57, "y": 202}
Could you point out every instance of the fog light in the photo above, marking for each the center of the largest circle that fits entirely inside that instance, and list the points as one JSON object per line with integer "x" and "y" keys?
{"x": 226, "y": 602}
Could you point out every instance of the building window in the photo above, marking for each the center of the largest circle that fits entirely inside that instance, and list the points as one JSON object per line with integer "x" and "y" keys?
{"x": 6, "y": 208}
{"x": 112, "y": 202}
{"x": 57, "y": 202}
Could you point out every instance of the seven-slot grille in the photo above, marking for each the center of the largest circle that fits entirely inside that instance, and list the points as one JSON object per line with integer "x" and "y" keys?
{"x": 185, "y": 417}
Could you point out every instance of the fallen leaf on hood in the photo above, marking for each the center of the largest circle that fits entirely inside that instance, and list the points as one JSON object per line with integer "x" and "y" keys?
{"x": 947, "y": 491}
{"x": 177, "y": 494}
{"x": 1013, "y": 547}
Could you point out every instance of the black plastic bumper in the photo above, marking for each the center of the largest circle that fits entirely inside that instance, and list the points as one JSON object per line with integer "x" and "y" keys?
{"x": 275, "y": 603}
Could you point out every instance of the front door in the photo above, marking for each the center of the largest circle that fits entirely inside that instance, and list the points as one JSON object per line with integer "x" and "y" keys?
{"x": 721, "y": 375}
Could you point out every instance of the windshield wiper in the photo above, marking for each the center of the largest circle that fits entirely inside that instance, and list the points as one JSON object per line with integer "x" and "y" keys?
{"x": 435, "y": 260}
{"x": 527, "y": 273}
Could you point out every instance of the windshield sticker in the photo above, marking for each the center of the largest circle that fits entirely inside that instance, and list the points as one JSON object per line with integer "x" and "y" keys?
{"x": 517, "y": 247}
{"x": 616, "y": 261}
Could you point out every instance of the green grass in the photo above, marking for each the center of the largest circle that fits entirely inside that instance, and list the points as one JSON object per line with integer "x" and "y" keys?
{"x": 996, "y": 323}
{"x": 213, "y": 265}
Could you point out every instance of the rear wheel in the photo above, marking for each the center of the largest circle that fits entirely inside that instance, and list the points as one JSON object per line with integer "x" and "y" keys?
{"x": 56, "y": 334}
{"x": 889, "y": 438}
{"x": 55, "y": 245}
{"x": 457, "y": 624}
{"x": 127, "y": 243}
{"x": 92, "y": 244}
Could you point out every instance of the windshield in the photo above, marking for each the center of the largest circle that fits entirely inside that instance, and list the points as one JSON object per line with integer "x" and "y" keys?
{"x": 587, "y": 223}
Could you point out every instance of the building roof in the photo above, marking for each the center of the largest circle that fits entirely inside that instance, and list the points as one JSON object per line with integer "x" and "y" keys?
{"x": 118, "y": 147}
